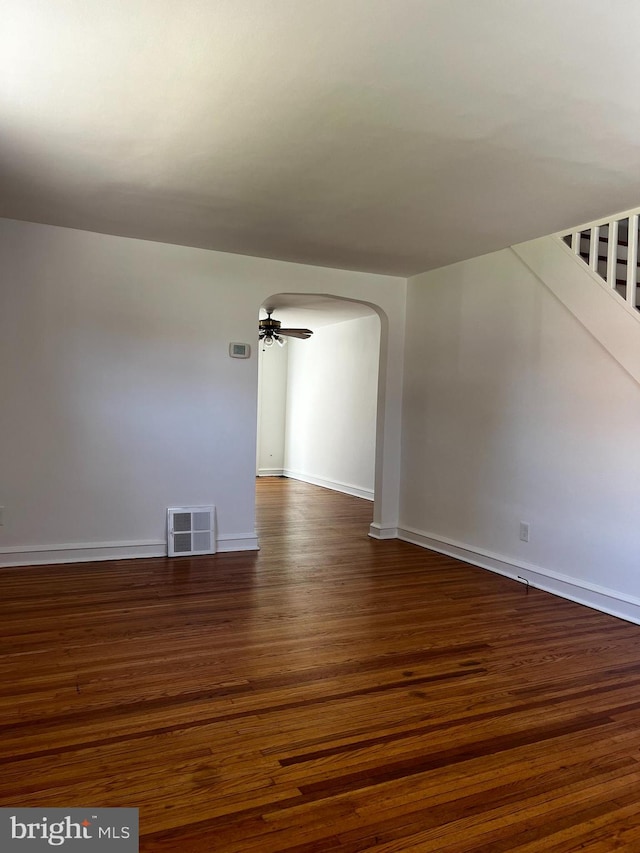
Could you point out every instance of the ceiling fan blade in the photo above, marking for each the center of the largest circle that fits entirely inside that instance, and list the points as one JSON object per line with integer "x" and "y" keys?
{"x": 296, "y": 333}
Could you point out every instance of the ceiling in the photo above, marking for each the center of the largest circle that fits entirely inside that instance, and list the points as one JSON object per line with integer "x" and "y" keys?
{"x": 391, "y": 136}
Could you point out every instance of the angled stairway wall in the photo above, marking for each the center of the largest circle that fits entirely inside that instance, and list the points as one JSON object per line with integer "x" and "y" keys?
{"x": 615, "y": 326}
{"x": 522, "y": 404}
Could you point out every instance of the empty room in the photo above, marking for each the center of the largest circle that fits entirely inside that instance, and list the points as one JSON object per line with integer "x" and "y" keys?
{"x": 319, "y": 394}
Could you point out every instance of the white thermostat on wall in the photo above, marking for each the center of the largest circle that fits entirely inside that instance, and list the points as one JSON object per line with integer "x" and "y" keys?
{"x": 239, "y": 350}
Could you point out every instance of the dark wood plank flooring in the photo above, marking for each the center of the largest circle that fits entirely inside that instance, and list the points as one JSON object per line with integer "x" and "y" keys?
{"x": 331, "y": 693}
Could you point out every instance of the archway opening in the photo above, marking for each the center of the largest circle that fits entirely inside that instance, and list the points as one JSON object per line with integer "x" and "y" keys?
{"x": 319, "y": 400}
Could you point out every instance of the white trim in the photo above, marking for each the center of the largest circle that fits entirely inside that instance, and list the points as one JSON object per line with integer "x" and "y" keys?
{"x": 594, "y": 248}
{"x": 376, "y": 531}
{"x": 575, "y": 242}
{"x": 334, "y": 485}
{"x": 229, "y": 542}
{"x": 632, "y": 261}
{"x": 602, "y": 284}
{"x": 596, "y": 308}
{"x": 582, "y": 592}
{"x": 80, "y": 552}
{"x": 270, "y": 472}
{"x": 612, "y": 254}
{"x": 90, "y": 552}
{"x": 79, "y": 546}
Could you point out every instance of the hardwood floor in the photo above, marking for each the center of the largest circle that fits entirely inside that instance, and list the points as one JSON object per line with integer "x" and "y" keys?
{"x": 331, "y": 693}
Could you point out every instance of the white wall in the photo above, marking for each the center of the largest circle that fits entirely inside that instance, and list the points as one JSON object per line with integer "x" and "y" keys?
{"x": 514, "y": 412}
{"x": 119, "y": 397}
{"x": 331, "y": 406}
{"x": 272, "y": 407}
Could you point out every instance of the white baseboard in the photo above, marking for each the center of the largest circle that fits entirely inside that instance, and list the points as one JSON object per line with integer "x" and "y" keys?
{"x": 376, "y": 531}
{"x": 334, "y": 485}
{"x": 89, "y": 552}
{"x": 270, "y": 472}
{"x": 582, "y": 592}
{"x": 80, "y": 552}
{"x": 229, "y": 542}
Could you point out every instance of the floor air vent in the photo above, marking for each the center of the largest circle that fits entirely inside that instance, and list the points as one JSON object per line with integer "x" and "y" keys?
{"x": 190, "y": 530}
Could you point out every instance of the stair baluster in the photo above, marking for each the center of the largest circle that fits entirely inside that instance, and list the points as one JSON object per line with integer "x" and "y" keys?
{"x": 609, "y": 248}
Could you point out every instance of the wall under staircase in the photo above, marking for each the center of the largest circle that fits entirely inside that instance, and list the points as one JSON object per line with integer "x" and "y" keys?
{"x": 597, "y": 306}
{"x": 522, "y": 404}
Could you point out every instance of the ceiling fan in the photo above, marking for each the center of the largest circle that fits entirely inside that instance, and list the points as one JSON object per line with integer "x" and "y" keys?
{"x": 270, "y": 331}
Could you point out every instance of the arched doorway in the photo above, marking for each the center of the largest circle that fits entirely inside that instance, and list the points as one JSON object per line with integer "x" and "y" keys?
{"x": 319, "y": 412}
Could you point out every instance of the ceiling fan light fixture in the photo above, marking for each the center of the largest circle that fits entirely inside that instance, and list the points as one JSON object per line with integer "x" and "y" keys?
{"x": 270, "y": 330}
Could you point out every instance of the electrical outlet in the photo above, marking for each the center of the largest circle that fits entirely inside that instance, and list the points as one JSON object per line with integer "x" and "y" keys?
{"x": 524, "y": 531}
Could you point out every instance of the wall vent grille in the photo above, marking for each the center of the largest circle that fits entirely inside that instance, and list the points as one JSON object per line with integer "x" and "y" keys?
{"x": 191, "y": 530}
